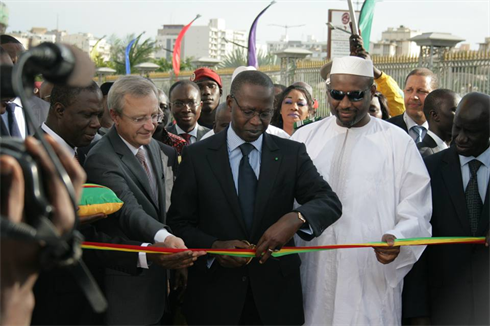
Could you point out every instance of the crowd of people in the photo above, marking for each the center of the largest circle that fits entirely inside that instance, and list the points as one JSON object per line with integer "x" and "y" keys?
{"x": 257, "y": 171}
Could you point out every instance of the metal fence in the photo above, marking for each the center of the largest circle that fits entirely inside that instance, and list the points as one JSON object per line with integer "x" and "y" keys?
{"x": 462, "y": 72}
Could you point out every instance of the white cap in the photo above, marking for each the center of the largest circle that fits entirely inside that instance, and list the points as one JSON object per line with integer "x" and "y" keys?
{"x": 352, "y": 66}
{"x": 241, "y": 69}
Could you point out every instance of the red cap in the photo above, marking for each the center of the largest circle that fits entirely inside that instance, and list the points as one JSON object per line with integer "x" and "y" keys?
{"x": 206, "y": 72}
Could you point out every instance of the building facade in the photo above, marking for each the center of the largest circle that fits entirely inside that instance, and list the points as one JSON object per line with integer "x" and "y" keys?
{"x": 396, "y": 42}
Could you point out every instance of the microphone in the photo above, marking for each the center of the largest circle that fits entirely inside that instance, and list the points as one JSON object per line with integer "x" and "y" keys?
{"x": 60, "y": 64}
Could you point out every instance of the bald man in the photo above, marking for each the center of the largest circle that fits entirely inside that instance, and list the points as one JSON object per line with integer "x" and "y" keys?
{"x": 439, "y": 108}
{"x": 458, "y": 279}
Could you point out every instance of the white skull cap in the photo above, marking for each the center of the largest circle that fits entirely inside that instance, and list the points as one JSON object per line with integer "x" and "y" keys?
{"x": 241, "y": 69}
{"x": 352, "y": 66}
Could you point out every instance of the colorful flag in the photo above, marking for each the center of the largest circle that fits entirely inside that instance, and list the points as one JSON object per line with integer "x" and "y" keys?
{"x": 366, "y": 21}
{"x": 252, "y": 51}
{"x": 178, "y": 41}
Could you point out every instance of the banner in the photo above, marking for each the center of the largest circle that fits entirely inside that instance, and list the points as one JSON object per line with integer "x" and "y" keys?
{"x": 252, "y": 48}
{"x": 178, "y": 41}
{"x": 366, "y": 21}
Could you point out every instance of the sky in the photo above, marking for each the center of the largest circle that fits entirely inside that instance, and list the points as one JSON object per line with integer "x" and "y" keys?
{"x": 468, "y": 19}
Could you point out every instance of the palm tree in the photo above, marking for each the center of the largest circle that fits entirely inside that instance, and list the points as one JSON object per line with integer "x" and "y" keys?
{"x": 238, "y": 58}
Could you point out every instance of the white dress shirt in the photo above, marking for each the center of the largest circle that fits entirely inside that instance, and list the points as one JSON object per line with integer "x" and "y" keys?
{"x": 482, "y": 175}
{"x": 410, "y": 123}
{"x": 193, "y": 132}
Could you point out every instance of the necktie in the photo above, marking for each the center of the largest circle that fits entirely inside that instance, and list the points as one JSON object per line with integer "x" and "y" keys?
{"x": 13, "y": 126}
{"x": 141, "y": 158}
{"x": 247, "y": 184}
{"x": 419, "y": 130}
{"x": 473, "y": 199}
{"x": 187, "y": 138}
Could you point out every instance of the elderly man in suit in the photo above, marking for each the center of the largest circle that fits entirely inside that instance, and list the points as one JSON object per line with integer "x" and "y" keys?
{"x": 418, "y": 84}
{"x": 139, "y": 170}
{"x": 458, "y": 275}
{"x": 186, "y": 105}
{"x": 235, "y": 189}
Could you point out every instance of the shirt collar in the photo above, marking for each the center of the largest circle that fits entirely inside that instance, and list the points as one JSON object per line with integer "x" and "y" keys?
{"x": 17, "y": 102}
{"x": 193, "y": 132}
{"x": 410, "y": 123}
{"x": 234, "y": 141}
{"x": 133, "y": 149}
{"x": 483, "y": 157}
{"x": 437, "y": 139}
{"x": 58, "y": 139}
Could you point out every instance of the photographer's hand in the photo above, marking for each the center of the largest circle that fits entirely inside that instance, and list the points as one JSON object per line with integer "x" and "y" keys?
{"x": 19, "y": 259}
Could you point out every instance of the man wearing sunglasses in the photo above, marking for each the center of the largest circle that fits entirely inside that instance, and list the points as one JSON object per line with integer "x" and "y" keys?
{"x": 384, "y": 187}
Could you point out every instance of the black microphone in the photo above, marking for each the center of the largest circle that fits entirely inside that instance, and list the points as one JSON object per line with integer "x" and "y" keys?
{"x": 60, "y": 64}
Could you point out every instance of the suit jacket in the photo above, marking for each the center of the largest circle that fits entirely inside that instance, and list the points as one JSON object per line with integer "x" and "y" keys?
{"x": 201, "y": 131}
{"x": 398, "y": 121}
{"x": 205, "y": 208}
{"x": 133, "y": 299}
{"x": 458, "y": 275}
{"x": 428, "y": 146}
{"x": 40, "y": 108}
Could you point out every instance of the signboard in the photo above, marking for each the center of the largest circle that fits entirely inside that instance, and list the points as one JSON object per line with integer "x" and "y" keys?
{"x": 338, "y": 41}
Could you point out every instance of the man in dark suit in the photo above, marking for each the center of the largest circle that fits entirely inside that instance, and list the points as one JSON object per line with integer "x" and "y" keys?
{"x": 40, "y": 108}
{"x": 237, "y": 188}
{"x": 138, "y": 169}
{"x": 439, "y": 108}
{"x": 418, "y": 84}
{"x": 458, "y": 275}
{"x": 186, "y": 104}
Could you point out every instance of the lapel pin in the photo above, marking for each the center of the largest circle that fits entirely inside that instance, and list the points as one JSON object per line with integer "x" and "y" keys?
{"x": 277, "y": 158}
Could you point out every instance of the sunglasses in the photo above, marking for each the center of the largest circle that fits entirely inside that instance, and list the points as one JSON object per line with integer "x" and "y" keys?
{"x": 354, "y": 96}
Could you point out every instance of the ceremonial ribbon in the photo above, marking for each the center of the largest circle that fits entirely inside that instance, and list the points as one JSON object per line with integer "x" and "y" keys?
{"x": 288, "y": 250}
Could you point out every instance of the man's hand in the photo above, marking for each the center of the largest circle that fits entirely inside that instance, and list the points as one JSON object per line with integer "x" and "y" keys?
{"x": 19, "y": 259}
{"x": 277, "y": 235}
{"x": 386, "y": 255}
{"x": 174, "y": 261}
{"x": 357, "y": 50}
{"x": 231, "y": 261}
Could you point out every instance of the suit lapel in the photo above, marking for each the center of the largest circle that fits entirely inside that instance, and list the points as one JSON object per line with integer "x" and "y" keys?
{"x": 269, "y": 167}
{"x": 219, "y": 162}
{"x": 129, "y": 160}
{"x": 451, "y": 173}
{"x": 484, "y": 218}
{"x": 156, "y": 162}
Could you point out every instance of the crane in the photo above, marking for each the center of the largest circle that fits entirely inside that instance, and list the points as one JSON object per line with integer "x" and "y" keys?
{"x": 286, "y": 28}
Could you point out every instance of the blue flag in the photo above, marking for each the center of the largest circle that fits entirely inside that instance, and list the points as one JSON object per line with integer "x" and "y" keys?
{"x": 128, "y": 49}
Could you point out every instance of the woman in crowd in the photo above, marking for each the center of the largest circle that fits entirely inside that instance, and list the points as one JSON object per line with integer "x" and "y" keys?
{"x": 293, "y": 104}
{"x": 379, "y": 107}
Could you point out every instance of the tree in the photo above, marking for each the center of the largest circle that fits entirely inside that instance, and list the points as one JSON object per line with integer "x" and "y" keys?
{"x": 238, "y": 58}
{"x": 140, "y": 52}
{"x": 165, "y": 65}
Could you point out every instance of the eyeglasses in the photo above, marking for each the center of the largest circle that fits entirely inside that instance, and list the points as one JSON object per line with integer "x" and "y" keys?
{"x": 354, "y": 96}
{"x": 155, "y": 118}
{"x": 182, "y": 104}
{"x": 249, "y": 114}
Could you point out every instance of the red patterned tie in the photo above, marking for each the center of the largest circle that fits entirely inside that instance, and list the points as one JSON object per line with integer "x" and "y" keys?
{"x": 187, "y": 138}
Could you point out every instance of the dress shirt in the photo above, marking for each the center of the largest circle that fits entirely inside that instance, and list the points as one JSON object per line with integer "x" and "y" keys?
{"x": 439, "y": 142}
{"x": 235, "y": 154}
{"x": 410, "y": 123}
{"x": 19, "y": 117}
{"x": 162, "y": 234}
{"x": 193, "y": 132}
{"x": 483, "y": 174}
{"x": 58, "y": 139}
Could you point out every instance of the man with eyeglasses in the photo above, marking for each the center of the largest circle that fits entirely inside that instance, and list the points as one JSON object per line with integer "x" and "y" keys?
{"x": 237, "y": 190}
{"x": 384, "y": 187}
{"x": 186, "y": 105}
{"x": 140, "y": 171}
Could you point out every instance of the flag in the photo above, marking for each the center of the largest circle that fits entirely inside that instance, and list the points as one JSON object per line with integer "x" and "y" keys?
{"x": 366, "y": 21}
{"x": 178, "y": 41}
{"x": 252, "y": 51}
{"x": 128, "y": 50}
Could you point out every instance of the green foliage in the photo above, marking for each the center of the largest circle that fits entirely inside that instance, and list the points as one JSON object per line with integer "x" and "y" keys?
{"x": 239, "y": 58}
{"x": 165, "y": 65}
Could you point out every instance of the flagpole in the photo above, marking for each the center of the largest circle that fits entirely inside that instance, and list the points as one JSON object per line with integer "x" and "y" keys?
{"x": 355, "y": 28}
{"x": 252, "y": 50}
